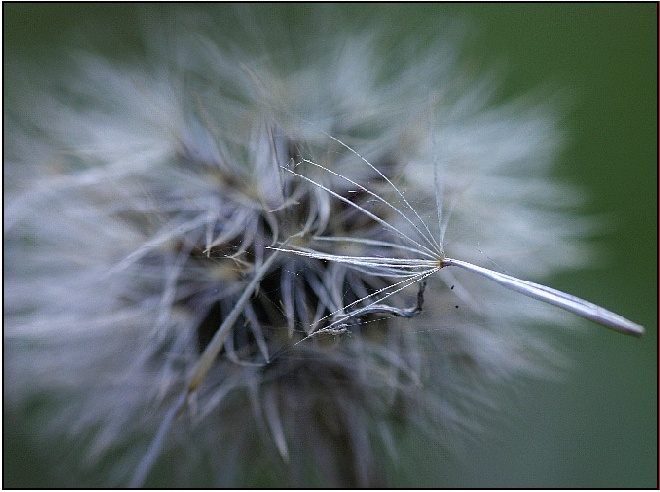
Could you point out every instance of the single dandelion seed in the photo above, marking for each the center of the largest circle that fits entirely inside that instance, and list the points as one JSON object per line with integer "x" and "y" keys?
{"x": 428, "y": 246}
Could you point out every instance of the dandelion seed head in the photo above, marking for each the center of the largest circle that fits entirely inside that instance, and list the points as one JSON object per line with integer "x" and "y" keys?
{"x": 142, "y": 199}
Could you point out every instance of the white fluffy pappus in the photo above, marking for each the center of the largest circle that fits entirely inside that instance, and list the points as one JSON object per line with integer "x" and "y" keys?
{"x": 145, "y": 205}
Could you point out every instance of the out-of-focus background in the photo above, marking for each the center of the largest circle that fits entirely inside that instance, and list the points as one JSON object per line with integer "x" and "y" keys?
{"x": 597, "y": 427}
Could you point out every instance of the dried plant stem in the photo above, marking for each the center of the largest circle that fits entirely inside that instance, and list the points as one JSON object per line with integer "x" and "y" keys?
{"x": 205, "y": 362}
{"x": 152, "y": 453}
{"x": 199, "y": 372}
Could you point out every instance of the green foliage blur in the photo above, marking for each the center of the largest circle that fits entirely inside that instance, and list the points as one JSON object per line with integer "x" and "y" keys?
{"x": 597, "y": 427}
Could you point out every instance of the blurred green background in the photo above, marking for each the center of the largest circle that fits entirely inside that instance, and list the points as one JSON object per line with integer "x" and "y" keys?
{"x": 598, "y": 427}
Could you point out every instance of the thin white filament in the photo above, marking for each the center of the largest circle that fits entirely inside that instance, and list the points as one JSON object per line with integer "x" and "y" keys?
{"x": 394, "y": 267}
{"x": 382, "y": 222}
{"x": 406, "y": 283}
{"x": 430, "y": 238}
{"x": 342, "y": 321}
{"x": 372, "y": 242}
